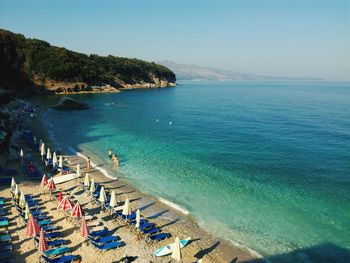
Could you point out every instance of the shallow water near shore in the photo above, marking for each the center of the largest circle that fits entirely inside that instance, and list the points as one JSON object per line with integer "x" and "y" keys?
{"x": 265, "y": 164}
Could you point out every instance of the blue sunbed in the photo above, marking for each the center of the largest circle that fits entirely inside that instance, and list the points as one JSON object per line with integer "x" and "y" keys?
{"x": 99, "y": 233}
{"x": 56, "y": 251}
{"x": 62, "y": 259}
{"x": 158, "y": 237}
{"x": 105, "y": 239}
{"x": 107, "y": 246}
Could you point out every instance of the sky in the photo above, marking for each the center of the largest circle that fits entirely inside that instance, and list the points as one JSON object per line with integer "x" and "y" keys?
{"x": 294, "y": 38}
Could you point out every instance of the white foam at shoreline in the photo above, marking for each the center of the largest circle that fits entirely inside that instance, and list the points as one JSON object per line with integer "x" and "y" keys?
{"x": 93, "y": 165}
{"x": 173, "y": 205}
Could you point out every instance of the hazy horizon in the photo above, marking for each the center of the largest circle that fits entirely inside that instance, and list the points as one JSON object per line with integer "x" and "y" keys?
{"x": 294, "y": 39}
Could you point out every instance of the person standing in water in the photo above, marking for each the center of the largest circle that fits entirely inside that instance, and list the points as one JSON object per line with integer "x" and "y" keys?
{"x": 110, "y": 153}
{"x": 88, "y": 163}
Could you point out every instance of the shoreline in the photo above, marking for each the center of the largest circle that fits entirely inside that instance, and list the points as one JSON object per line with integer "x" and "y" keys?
{"x": 226, "y": 250}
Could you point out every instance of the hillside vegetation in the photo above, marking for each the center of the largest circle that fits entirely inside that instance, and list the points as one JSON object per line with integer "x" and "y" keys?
{"x": 31, "y": 63}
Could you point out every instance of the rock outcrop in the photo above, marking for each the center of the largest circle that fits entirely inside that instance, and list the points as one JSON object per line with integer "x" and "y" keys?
{"x": 67, "y": 103}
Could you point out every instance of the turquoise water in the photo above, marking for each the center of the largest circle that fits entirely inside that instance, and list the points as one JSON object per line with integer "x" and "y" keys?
{"x": 265, "y": 164}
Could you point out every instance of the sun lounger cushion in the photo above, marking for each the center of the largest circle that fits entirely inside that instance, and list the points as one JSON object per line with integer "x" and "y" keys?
{"x": 57, "y": 251}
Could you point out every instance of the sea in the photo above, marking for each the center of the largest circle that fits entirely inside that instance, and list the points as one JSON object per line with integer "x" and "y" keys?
{"x": 263, "y": 164}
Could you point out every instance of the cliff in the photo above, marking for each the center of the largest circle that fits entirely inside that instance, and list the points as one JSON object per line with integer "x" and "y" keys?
{"x": 34, "y": 66}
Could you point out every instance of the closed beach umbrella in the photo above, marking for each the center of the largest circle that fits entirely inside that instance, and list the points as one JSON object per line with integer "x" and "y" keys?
{"x": 42, "y": 242}
{"x": 16, "y": 191}
{"x": 43, "y": 181}
{"x": 48, "y": 154}
{"x": 113, "y": 201}
{"x": 42, "y": 151}
{"x": 60, "y": 197}
{"x": 78, "y": 170}
{"x": 138, "y": 218}
{"x": 176, "y": 250}
{"x": 26, "y": 212}
{"x": 103, "y": 196}
{"x": 22, "y": 155}
{"x": 126, "y": 209}
{"x": 51, "y": 185}
{"x": 92, "y": 186}
{"x": 77, "y": 211}
{"x": 87, "y": 180}
{"x": 61, "y": 163}
{"x": 54, "y": 159}
{"x": 65, "y": 205}
{"x": 84, "y": 230}
{"x": 32, "y": 227}
{"x": 22, "y": 200}
{"x": 13, "y": 184}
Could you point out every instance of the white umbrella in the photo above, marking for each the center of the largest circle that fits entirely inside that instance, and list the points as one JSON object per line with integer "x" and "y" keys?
{"x": 87, "y": 180}
{"x": 113, "y": 201}
{"x": 78, "y": 169}
{"x": 92, "y": 186}
{"x": 48, "y": 154}
{"x": 42, "y": 151}
{"x": 22, "y": 200}
{"x": 61, "y": 163}
{"x": 126, "y": 209}
{"x": 13, "y": 184}
{"x": 26, "y": 212}
{"x": 176, "y": 250}
{"x": 16, "y": 191}
{"x": 103, "y": 196}
{"x": 54, "y": 159}
{"x": 22, "y": 155}
{"x": 138, "y": 218}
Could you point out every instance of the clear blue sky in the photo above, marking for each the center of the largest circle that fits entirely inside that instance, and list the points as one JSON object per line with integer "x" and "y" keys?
{"x": 290, "y": 38}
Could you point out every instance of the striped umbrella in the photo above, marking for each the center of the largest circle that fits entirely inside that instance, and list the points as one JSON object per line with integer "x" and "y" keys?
{"x": 32, "y": 227}
{"x": 77, "y": 211}
{"x": 60, "y": 197}
{"x": 113, "y": 201}
{"x": 103, "y": 196}
{"x": 126, "y": 209}
{"x": 27, "y": 212}
{"x": 78, "y": 170}
{"x": 138, "y": 218}
{"x": 65, "y": 205}
{"x": 54, "y": 159}
{"x": 42, "y": 242}
{"x": 87, "y": 180}
{"x": 92, "y": 186}
{"x": 13, "y": 184}
{"x": 176, "y": 250}
{"x": 51, "y": 185}
{"x": 84, "y": 230}
{"x": 48, "y": 154}
{"x": 42, "y": 151}
{"x": 43, "y": 181}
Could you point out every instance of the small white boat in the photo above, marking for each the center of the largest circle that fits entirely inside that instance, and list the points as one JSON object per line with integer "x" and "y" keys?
{"x": 166, "y": 250}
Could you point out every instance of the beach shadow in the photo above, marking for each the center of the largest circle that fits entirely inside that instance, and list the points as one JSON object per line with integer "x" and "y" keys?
{"x": 234, "y": 260}
{"x": 146, "y": 206}
{"x": 31, "y": 252}
{"x": 206, "y": 251}
{"x": 127, "y": 259}
{"x": 58, "y": 220}
{"x": 158, "y": 214}
{"x": 126, "y": 193}
{"x": 69, "y": 231}
{"x": 77, "y": 246}
{"x": 170, "y": 223}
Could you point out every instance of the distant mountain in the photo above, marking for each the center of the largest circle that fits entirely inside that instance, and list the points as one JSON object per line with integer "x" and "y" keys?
{"x": 199, "y": 73}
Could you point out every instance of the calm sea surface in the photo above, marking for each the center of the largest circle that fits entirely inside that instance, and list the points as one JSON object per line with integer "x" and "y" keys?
{"x": 265, "y": 164}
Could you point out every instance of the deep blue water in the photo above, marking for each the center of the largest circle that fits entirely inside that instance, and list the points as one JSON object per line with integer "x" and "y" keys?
{"x": 265, "y": 164}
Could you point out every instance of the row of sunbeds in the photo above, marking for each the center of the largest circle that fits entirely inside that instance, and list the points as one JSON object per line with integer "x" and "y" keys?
{"x": 5, "y": 237}
{"x": 150, "y": 231}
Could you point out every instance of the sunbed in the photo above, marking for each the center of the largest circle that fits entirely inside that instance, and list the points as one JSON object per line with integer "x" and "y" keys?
{"x": 49, "y": 228}
{"x": 146, "y": 226}
{"x": 56, "y": 243}
{"x": 150, "y": 231}
{"x": 4, "y": 221}
{"x": 107, "y": 246}
{"x": 5, "y": 255}
{"x": 105, "y": 239}
{"x": 62, "y": 259}
{"x": 100, "y": 233}
{"x": 44, "y": 222}
{"x": 53, "y": 235}
{"x": 5, "y": 247}
{"x": 5, "y": 238}
{"x": 56, "y": 251}
{"x": 158, "y": 237}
